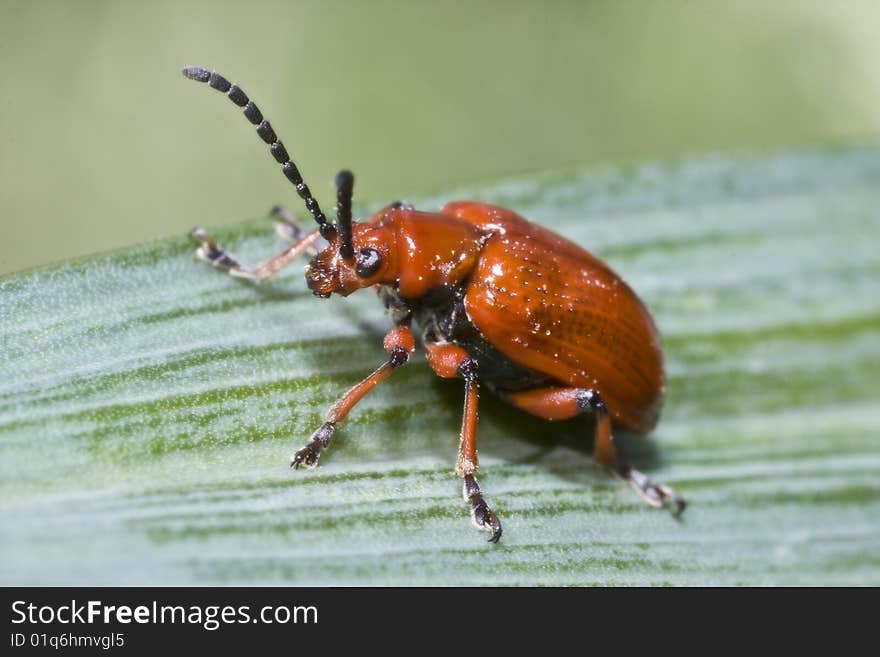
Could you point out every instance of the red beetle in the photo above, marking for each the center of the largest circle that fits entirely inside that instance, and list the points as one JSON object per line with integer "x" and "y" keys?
{"x": 499, "y": 300}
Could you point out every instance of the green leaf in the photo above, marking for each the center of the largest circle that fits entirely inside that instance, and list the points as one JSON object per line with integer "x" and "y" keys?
{"x": 149, "y": 405}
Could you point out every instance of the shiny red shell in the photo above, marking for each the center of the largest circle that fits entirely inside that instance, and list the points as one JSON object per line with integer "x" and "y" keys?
{"x": 554, "y": 308}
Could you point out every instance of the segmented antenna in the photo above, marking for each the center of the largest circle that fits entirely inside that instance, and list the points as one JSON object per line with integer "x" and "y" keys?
{"x": 267, "y": 134}
{"x": 344, "y": 192}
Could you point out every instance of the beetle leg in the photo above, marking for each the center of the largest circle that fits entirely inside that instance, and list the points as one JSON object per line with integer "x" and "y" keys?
{"x": 287, "y": 227}
{"x": 564, "y": 403}
{"x": 605, "y": 454}
{"x": 483, "y": 517}
{"x": 448, "y": 361}
{"x": 399, "y": 343}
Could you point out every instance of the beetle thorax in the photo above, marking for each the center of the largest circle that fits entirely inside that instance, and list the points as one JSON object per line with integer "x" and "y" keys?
{"x": 443, "y": 318}
{"x": 398, "y": 309}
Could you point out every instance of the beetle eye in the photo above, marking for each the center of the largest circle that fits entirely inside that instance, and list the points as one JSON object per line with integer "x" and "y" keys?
{"x": 367, "y": 262}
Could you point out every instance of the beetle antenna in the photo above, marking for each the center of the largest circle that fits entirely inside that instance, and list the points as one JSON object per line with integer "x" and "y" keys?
{"x": 267, "y": 134}
{"x": 344, "y": 193}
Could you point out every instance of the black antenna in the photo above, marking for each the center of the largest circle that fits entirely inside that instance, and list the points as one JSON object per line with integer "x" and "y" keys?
{"x": 344, "y": 192}
{"x": 267, "y": 134}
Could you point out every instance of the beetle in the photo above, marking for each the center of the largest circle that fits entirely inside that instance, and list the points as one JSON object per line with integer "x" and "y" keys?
{"x": 500, "y": 302}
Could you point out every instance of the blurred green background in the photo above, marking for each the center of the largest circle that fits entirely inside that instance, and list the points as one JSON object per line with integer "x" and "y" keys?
{"x": 104, "y": 143}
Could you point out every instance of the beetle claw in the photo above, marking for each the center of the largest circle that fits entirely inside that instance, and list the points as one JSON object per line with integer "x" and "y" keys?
{"x": 483, "y": 517}
{"x": 307, "y": 457}
{"x": 486, "y": 520}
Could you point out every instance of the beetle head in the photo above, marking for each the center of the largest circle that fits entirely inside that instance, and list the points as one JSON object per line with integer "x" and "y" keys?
{"x": 371, "y": 262}
{"x": 358, "y": 255}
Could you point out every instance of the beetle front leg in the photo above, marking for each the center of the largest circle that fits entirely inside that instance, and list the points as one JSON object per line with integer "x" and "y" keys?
{"x": 400, "y": 344}
{"x": 287, "y": 227}
{"x": 449, "y": 361}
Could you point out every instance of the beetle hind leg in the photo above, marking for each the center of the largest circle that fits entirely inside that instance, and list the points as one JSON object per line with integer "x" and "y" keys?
{"x": 565, "y": 403}
{"x": 606, "y": 454}
{"x": 657, "y": 495}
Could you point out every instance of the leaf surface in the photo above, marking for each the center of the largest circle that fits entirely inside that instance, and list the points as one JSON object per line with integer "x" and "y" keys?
{"x": 149, "y": 406}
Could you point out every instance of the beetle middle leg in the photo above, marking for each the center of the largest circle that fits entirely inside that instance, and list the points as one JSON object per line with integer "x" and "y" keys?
{"x": 400, "y": 344}
{"x": 451, "y": 361}
{"x": 565, "y": 403}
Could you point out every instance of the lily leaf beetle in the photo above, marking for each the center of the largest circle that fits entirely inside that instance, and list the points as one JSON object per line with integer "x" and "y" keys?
{"x": 500, "y": 302}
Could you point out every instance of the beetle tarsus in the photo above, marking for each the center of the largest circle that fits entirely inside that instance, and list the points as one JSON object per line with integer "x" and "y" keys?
{"x": 307, "y": 457}
{"x": 484, "y": 518}
{"x": 657, "y": 495}
{"x": 287, "y": 227}
{"x": 211, "y": 253}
